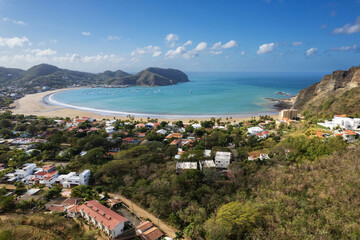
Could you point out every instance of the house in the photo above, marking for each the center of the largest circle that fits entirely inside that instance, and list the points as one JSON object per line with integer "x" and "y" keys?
{"x": 148, "y": 231}
{"x": 254, "y": 130}
{"x": 342, "y": 122}
{"x": 207, "y": 153}
{"x": 196, "y": 125}
{"x": 222, "y": 159}
{"x": 110, "y": 129}
{"x": 207, "y": 164}
{"x": 174, "y": 135}
{"x": 347, "y": 135}
{"x": 63, "y": 204}
{"x": 102, "y": 217}
{"x": 161, "y": 131}
{"x": 186, "y": 165}
{"x": 261, "y": 156}
{"x": 262, "y": 135}
{"x": 140, "y": 125}
{"x": 72, "y": 179}
{"x": 28, "y": 169}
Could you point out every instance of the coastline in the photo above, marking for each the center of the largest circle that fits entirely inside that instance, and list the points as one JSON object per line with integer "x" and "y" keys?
{"x": 36, "y": 104}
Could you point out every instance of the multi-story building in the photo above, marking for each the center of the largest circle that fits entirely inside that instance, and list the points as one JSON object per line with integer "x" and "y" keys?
{"x": 102, "y": 217}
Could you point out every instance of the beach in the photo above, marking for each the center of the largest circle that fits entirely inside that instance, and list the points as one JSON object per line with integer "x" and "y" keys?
{"x": 34, "y": 104}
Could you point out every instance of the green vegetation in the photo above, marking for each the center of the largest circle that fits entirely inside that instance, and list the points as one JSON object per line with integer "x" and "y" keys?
{"x": 307, "y": 189}
{"x": 41, "y": 226}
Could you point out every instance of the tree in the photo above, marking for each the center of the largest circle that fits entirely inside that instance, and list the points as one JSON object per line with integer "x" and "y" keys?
{"x": 7, "y": 203}
{"x": 20, "y": 188}
{"x": 53, "y": 192}
{"x": 5, "y": 123}
{"x": 233, "y": 220}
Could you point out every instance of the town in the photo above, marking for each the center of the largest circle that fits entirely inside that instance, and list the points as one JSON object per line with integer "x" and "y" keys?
{"x": 80, "y": 168}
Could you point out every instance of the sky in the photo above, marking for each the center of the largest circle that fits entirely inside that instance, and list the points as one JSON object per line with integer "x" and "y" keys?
{"x": 190, "y": 35}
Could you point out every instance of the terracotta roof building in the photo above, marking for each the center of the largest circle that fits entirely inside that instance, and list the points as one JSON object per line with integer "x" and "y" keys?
{"x": 105, "y": 219}
{"x": 148, "y": 231}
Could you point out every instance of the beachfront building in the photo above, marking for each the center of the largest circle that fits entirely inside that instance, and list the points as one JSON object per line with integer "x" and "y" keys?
{"x": 103, "y": 218}
{"x": 288, "y": 114}
{"x": 72, "y": 179}
{"x": 222, "y": 159}
{"x": 342, "y": 122}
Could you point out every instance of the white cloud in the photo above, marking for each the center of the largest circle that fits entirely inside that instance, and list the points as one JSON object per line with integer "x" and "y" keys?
{"x": 216, "y": 45}
{"x": 180, "y": 52}
{"x": 216, "y": 52}
{"x": 349, "y": 28}
{"x": 41, "y": 53}
{"x": 242, "y": 53}
{"x": 176, "y": 52}
{"x": 18, "y": 22}
{"x": 171, "y": 39}
{"x": 154, "y": 50}
{"x": 229, "y": 44}
{"x": 266, "y": 48}
{"x": 297, "y": 43}
{"x": 201, "y": 47}
{"x": 189, "y": 42}
{"x": 345, "y": 48}
{"x": 311, "y": 52}
{"x": 111, "y": 38}
{"x": 86, "y": 33}
{"x": 13, "y": 42}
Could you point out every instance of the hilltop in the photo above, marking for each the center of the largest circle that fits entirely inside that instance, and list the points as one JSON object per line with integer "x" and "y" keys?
{"x": 336, "y": 93}
{"x": 54, "y": 77}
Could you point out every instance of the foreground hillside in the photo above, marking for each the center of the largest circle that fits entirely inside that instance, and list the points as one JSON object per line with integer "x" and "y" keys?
{"x": 336, "y": 93}
{"x": 41, "y": 226}
{"x": 54, "y": 77}
{"x": 313, "y": 200}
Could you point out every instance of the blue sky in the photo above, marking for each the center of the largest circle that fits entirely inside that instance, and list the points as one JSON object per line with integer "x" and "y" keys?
{"x": 208, "y": 35}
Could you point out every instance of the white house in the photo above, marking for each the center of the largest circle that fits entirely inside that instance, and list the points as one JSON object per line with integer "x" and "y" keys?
{"x": 102, "y": 217}
{"x": 196, "y": 125}
{"x": 186, "y": 165}
{"x": 207, "y": 164}
{"x": 254, "y": 130}
{"x": 161, "y": 131}
{"x": 28, "y": 169}
{"x": 222, "y": 159}
{"x": 110, "y": 129}
{"x": 342, "y": 122}
{"x": 72, "y": 179}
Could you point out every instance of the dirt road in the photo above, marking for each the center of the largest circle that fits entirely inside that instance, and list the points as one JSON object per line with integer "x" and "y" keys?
{"x": 167, "y": 229}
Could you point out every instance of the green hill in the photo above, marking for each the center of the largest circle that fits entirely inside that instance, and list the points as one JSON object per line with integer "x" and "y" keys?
{"x": 52, "y": 76}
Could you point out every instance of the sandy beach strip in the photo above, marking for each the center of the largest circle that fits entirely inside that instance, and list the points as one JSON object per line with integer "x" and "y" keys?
{"x": 34, "y": 104}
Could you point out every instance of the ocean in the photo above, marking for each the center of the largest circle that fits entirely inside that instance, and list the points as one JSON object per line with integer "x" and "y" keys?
{"x": 207, "y": 94}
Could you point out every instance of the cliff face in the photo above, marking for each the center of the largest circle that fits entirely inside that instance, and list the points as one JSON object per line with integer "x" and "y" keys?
{"x": 332, "y": 85}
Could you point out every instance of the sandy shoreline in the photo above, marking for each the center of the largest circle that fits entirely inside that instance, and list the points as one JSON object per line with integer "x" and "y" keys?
{"x": 33, "y": 104}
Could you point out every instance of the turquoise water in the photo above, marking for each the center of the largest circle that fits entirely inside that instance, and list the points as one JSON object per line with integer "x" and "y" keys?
{"x": 207, "y": 94}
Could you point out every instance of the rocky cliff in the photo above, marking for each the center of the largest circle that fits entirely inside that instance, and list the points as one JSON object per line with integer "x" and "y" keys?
{"x": 335, "y": 93}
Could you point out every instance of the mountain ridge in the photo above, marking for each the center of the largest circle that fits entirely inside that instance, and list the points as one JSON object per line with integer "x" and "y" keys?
{"x": 52, "y": 76}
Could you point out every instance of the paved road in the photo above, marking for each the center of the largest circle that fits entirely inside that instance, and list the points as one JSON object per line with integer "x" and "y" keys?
{"x": 167, "y": 229}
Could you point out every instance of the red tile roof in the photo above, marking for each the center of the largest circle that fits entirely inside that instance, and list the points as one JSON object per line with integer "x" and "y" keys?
{"x": 144, "y": 226}
{"x": 348, "y": 132}
{"x": 102, "y": 214}
{"x": 56, "y": 208}
{"x": 152, "y": 234}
